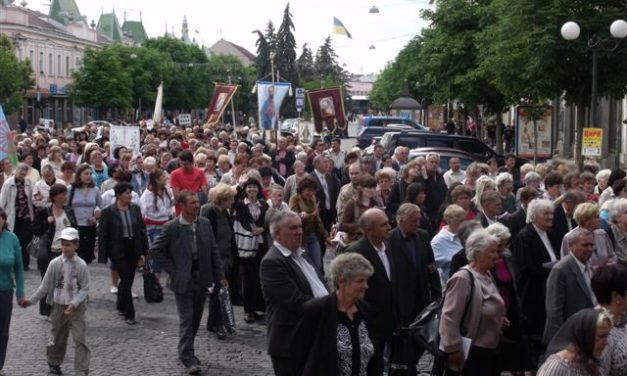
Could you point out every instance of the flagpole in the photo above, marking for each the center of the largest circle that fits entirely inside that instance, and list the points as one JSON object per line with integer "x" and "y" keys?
{"x": 232, "y": 107}
{"x": 274, "y": 130}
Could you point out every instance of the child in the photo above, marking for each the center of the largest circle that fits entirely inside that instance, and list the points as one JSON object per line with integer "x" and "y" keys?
{"x": 65, "y": 287}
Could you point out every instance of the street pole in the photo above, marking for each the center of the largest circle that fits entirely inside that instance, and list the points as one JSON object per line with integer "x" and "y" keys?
{"x": 232, "y": 107}
{"x": 274, "y": 130}
{"x": 593, "y": 105}
{"x": 535, "y": 139}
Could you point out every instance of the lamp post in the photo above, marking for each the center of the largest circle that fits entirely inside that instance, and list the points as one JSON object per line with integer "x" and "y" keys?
{"x": 570, "y": 31}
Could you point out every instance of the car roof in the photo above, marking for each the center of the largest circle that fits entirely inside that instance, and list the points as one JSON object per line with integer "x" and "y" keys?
{"x": 440, "y": 150}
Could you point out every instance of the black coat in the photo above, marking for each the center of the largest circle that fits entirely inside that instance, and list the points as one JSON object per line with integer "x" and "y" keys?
{"x": 314, "y": 344}
{"x": 381, "y": 293}
{"x": 285, "y": 288}
{"x": 436, "y": 189}
{"x": 418, "y": 283}
{"x": 288, "y": 160}
{"x": 530, "y": 254}
{"x": 333, "y": 184}
{"x": 560, "y": 224}
{"x": 110, "y": 234}
{"x": 515, "y": 222}
{"x": 40, "y": 225}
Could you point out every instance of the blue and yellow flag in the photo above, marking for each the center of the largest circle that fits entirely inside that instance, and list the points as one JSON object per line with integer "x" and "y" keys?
{"x": 338, "y": 28}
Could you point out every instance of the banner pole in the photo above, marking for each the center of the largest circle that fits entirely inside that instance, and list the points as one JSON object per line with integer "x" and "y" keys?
{"x": 232, "y": 107}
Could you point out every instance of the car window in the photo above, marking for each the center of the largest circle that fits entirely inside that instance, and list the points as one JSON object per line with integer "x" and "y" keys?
{"x": 411, "y": 142}
{"x": 439, "y": 142}
{"x": 474, "y": 147}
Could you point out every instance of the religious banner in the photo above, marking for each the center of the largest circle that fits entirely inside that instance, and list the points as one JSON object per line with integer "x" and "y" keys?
{"x": 327, "y": 108}
{"x": 222, "y": 95}
{"x": 124, "y": 136}
{"x": 270, "y": 97}
{"x": 7, "y": 147}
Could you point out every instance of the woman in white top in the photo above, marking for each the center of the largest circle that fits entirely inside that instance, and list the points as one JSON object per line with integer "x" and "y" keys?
{"x": 55, "y": 160}
{"x": 41, "y": 189}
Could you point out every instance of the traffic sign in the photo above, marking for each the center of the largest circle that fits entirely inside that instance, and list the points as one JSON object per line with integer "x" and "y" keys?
{"x": 300, "y": 102}
{"x": 300, "y": 92}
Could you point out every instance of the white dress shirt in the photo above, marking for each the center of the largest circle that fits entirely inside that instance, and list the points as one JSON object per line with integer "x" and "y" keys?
{"x": 384, "y": 259}
{"x": 317, "y": 287}
{"x": 547, "y": 243}
{"x": 323, "y": 182}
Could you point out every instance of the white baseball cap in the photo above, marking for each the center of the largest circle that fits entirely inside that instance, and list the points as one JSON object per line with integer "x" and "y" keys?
{"x": 69, "y": 233}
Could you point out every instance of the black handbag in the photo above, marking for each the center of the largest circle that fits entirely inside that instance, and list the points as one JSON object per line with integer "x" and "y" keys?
{"x": 425, "y": 329}
{"x": 226, "y": 308}
{"x": 153, "y": 292}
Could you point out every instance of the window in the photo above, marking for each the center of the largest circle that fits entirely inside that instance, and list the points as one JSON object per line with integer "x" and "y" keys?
{"x": 50, "y": 65}
{"x": 439, "y": 142}
{"x": 474, "y": 147}
{"x": 31, "y": 57}
{"x": 67, "y": 66}
{"x": 41, "y": 62}
{"x": 58, "y": 65}
{"x": 77, "y": 62}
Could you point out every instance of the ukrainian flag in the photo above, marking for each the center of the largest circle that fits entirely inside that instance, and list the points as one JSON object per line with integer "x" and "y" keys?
{"x": 338, "y": 28}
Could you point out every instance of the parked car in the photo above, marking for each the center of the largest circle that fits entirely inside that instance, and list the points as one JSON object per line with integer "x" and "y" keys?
{"x": 367, "y": 135}
{"x": 416, "y": 139}
{"x": 379, "y": 121}
{"x": 445, "y": 155}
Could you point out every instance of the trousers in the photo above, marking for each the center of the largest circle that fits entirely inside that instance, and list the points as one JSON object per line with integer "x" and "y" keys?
{"x": 6, "y": 308}
{"x": 62, "y": 326}
{"x": 189, "y": 306}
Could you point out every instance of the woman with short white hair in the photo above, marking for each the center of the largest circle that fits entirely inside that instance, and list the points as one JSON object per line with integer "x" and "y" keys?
{"x": 618, "y": 227}
{"x": 483, "y": 184}
{"x": 446, "y": 243}
{"x": 474, "y": 308}
{"x": 504, "y": 186}
{"x": 535, "y": 250}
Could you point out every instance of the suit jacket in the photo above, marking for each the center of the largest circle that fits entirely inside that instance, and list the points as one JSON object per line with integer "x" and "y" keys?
{"x": 483, "y": 219}
{"x": 515, "y": 222}
{"x": 417, "y": 278}
{"x": 288, "y": 160}
{"x": 381, "y": 293}
{"x": 530, "y": 253}
{"x": 560, "y": 224}
{"x": 173, "y": 251}
{"x": 566, "y": 293}
{"x": 110, "y": 231}
{"x": 314, "y": 343}
{"x": 285, "y": 288}
{"x": 334, "y": 190}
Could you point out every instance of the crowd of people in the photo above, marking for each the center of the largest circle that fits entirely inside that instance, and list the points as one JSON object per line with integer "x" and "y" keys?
{"x": 529, "y": 262}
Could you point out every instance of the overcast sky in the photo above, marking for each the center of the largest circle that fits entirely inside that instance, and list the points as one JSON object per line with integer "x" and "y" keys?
{"x": 234, "y": 20}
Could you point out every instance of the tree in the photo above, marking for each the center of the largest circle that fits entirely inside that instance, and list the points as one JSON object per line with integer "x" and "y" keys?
{"x": 221, "y": 67}
{"x": 286, "y": 57}
{"x": 15, "y": 77}
{"x": 262, "y": 60}
{"x": 305, "y": 64}
{"x": 102, "y": 82}
{"x": 326, "y": 61}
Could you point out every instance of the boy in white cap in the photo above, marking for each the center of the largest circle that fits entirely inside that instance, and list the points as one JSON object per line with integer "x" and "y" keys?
{"x": 65, "y": 287}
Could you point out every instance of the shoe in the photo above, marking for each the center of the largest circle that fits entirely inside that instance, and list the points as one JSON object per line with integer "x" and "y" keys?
{"x": 221, "y": 333}
{"x": 135, "y": 296}
{"x": 2, "y": 373}
{"x": 131, "y": 321}
{"x": 250, "y": 318}
{"x": 54, "y": 370}
{"x": 212, "y": 329}
{"x": 194, "y": 369}
{"x": 120, "y": 313}
{"x": 114, "y": 290}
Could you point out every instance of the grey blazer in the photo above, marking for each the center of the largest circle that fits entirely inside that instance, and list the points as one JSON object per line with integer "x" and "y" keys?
{"x": 566, "y": 293}
{"x": 173, "y": 250}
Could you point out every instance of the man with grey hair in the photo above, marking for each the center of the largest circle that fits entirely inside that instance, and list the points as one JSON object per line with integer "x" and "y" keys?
{"x": 568, "y": 288}
{"x": 435, "y": 188}
{"x": 288, "y": 279}
{"x": 328, "y": 190}
{"x": 348, "y": 191}
{"x": 382, "y": 285}
{"x": 400, "y": 158}
{"x": 454, "y": 173}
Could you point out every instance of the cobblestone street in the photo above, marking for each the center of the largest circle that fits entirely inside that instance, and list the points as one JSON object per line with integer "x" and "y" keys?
{"x": 148, "y": 348}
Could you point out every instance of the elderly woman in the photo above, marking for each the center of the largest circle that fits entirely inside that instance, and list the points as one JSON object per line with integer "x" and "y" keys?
{"x": 535, "y": 251}
{"x": 11, "y": 281}
{"x": 602, "y": 178}
{"x": 349, "y": 222}
{"x": 532, "y": 179}
{"x": 578, "y": 345}
{"x": 41, "y": 189}
{"x": 306, "y": 205}
{"x": 276, "y": 207}
{"x": 473, "y": 308}
{"x": 504, "y": 186}
{"x": 385, "y": 178}
{"x": 587, "y": 216}
{"x": 54, "y": 160}
{"x": 445, "y": 243}
{"x": 222, "y": 197}
{"x": 16, "y": 199}
{"x": 609, "y": 284}
{"x": 618, "y": 227}
{"x": 483, "y": 184}
{"x": 332, "y": 337}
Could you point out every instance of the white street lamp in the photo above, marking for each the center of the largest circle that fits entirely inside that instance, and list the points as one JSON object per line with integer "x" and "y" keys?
{"x": 618, "y": 29}
{"x": 570, "y": 30}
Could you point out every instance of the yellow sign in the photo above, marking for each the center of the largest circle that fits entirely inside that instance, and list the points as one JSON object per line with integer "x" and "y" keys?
{"x": 592, "y": 142}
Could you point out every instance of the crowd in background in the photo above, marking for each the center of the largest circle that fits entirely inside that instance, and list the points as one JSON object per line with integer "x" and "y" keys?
{"x": 530, "y": 261}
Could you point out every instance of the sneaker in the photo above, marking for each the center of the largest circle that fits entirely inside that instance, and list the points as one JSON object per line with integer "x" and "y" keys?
{"x": 114, "y": 290}
{"x": 131, "y": 321}
{"x": 54, "y": 370}
{"x": 194, "y": 369}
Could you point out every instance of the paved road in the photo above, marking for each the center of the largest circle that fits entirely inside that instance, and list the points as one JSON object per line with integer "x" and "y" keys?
{"x": 148, "y": 348}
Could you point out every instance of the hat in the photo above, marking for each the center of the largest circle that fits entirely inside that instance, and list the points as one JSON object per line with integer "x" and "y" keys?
{"x": 69, "y": 233}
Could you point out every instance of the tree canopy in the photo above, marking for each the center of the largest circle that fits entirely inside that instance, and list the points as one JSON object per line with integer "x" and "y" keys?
{"x": 15, "y": 77}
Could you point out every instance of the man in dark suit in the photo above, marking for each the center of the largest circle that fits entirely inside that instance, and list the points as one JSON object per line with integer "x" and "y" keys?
{"x": 288, "y": 279}
{"x": 568, "y": 287}
{"x": 381, "y": 288}
{"x": 535, "y": 251}
{"x": 282, "y": 158}
{"x": 563, "y": 220}
{"x": 435, "y": 187}
{"x": 328, "y": 191}
{"x": 186, "y": 249}
{"x": 517, "y": 220}
{"x": 417, "y": 277}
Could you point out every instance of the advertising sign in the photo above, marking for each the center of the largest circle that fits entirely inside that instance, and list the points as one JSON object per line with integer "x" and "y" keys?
{"x": 185, "y": 120}
{"x": 592, "y": 142}
{"x": 525, "y": 138}
{"x": 124, "y": 136}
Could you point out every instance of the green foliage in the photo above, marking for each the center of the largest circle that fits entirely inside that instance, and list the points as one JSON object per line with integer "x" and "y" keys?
{"x": 102, "y": 82}
{"x": 286, "y": 58}
{"x": 305, "y": 64}
{"x": 15, "y": 77}
{"x": 221, "y": 67}
{"x": 262, "y": 61}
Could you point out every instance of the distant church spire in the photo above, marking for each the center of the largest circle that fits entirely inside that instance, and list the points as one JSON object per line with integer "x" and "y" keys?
{"x": 185, "y": 32}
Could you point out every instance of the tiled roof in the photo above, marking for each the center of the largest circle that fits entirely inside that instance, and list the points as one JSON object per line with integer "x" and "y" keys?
{"x": 64, "y": 11}
{"x": 135, "y": 30}
{"x": 109, "y": 27}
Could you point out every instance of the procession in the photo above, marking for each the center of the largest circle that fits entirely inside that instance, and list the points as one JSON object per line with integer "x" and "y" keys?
{"x": 178, "y": 209}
